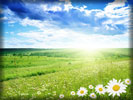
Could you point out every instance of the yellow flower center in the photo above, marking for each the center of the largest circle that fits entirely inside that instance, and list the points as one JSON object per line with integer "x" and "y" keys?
{"x": 127, "y": 81}
{"x": 90, "y": 86}
{"x": 116, "y": 87}
{"x": 82, "y": 91}
{"x": 100, "y": 89}
{"x": 93, "y": 95}
{"x": 72, "y": 92}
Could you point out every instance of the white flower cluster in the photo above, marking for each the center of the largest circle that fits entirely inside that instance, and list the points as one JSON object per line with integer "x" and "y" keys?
{"x": 113, "y": 87}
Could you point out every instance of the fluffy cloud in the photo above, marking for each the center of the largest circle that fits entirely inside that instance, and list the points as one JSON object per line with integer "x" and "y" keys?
{"x": 117, "y": 9}
{"x": 66, "y": 15}
{"x": 68, "y": 38}
{"x": 65, "y": 25}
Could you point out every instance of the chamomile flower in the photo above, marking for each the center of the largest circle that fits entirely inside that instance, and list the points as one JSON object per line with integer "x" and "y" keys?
{"x": 82, "y": 91}
{"x": 100, "y": 89}
{"x": 116, "y": 88}
{"x": 72, "y": 93}
{"x": 91, "y": 87}
{"x": 61, "y": 96}
{"x": 128, "y": 81}
{"x": 93, "y": 95}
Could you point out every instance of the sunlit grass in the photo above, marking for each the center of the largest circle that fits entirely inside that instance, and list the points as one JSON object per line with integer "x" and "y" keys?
{"x": 62, "y": 71}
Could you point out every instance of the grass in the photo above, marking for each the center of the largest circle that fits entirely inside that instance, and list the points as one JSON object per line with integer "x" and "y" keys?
{"x": 27, "y": 71}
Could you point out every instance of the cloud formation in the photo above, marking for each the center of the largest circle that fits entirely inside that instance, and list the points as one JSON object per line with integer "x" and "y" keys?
{"x": 61, "y": 24}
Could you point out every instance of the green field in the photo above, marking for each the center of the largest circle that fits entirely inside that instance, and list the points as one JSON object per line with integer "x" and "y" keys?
{"x": 59, "y": 71}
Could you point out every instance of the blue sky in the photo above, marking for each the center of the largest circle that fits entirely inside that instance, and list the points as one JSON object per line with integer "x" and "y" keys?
{"x": 65, "y": 24}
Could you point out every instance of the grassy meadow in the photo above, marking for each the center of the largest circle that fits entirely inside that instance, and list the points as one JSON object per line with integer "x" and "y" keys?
{"x": 44, "y": 74}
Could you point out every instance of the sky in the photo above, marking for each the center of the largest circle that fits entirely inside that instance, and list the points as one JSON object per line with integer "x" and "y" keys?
{"x": 65, "y": 24}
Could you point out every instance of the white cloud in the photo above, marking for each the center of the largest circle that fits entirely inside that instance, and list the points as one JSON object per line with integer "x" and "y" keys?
{"x": 117, "y": 9}
{"x": 53, "y": 8}
{"x": 9, "y": 16}
{"x": 50, "y": 35}
{"x": 39, "y": 24}
{"x": 100, "y": 14}
{"x": 29, "y": 22}
{"x": 68, "y": 6}
{"x": 32, "y": 35}
{"x": 58, "y": 6}
{"x": 66, "y": 38}
{"x": 117, "y": 13}
{"x": 11, "y": 32}
{"x": 3, "y": 18}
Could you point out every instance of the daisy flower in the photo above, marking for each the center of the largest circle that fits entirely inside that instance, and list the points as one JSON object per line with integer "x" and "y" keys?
{"x": 82, "y": 91}
{"x": 100, "y": 89}
{"x": 128, "y": 81}
{"x": 93, "y": 95}
{"x": 72, "y": 93}
{"x": 116, "y": 88}
{"x": 61, "y": 96}
{"x": 91, "y": 87}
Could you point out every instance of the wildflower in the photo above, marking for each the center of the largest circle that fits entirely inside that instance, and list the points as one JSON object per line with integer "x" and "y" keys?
{"x": 128, "y": 81}
{"x": 100, "y": 89}
{"x": 91, "y": 87}
{"x": 82, "y": 91}
{"x": 61, "y": 96}
{"x": 116, "y": 88}
{"x": 72, "y": 93}
{"x": 93, "y": 95}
